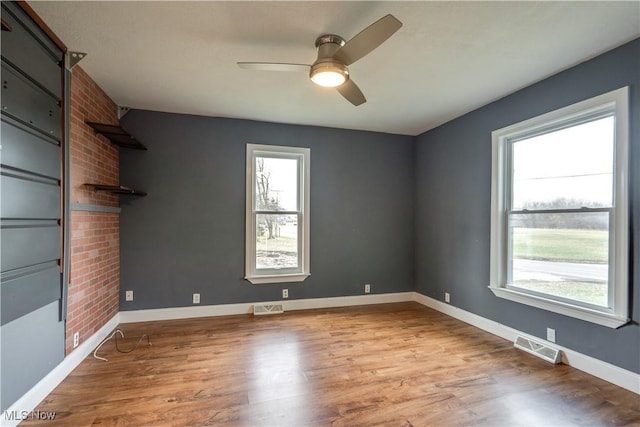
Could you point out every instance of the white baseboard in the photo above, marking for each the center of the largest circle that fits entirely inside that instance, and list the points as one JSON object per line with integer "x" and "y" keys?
{"x": 246, "y": 308}
{"x": 311, "y": 303}
{"x": 603, "y": 370}
{"x": 31, "y": 399}
{"x": 173, "y": 313}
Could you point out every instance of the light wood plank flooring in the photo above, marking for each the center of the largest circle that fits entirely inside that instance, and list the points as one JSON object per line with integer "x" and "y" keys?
{"x": 393, "y": 364}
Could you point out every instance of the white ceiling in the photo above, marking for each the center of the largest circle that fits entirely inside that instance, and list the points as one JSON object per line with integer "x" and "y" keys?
{"x": 449, "y": 57}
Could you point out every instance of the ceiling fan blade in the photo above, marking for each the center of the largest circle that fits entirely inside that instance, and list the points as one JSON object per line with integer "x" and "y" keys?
{"x": 273, "y": 66}
{"x": 352, "y": 93}
{"x": 367, "y": 40}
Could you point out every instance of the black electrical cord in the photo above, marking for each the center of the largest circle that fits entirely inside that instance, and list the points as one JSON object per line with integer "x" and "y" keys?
{"x": 135, "y": 346}
{"x": 115, "y": 334}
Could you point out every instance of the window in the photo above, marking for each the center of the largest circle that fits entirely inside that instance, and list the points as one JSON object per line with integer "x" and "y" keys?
{"x": 277, "y": 214}
{"x": 559, "y": 211}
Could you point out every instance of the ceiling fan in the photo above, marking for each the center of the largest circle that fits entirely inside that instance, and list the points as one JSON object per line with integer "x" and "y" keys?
{"x": 335, "y": 55}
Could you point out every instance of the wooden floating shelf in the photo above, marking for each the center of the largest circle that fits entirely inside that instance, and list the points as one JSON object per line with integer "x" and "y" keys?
{"x": 117, "y": 135}
{"x": 116, "y": 189}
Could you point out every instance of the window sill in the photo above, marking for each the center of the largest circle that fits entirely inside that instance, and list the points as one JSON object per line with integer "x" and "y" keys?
{"x": 282, "y": 278}
{"x": 605, "y": 319}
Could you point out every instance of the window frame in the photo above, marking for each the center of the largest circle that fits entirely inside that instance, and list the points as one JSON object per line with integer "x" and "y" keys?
{"x": 302, "y": 155}
{"x": 616, "y": 103}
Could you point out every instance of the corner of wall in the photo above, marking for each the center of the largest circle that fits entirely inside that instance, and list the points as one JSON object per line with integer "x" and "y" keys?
{"x": 94, "y": 277}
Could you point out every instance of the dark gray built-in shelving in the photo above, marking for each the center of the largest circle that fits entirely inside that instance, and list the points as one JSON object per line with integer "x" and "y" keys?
{"x": 33, "y": 290}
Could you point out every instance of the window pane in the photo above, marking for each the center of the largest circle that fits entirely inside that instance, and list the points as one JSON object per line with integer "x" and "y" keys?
{"x": 276, "y": 241}
{"x": 568, "y": 168}
{"x": 276, "y": 184}
{"x": 561, "y": 254}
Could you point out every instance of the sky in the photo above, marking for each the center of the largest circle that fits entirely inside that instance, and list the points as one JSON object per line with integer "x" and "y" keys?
{"x": 576, "y": 162}
{"x": 283, "y": 181}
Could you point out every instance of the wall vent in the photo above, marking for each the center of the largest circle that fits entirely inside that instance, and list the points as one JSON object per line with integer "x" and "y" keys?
{"x": 260, "y": 309}
{"x": 537, "y": 348}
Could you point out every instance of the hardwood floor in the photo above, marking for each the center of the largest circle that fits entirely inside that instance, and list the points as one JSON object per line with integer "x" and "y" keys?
{"x": 393, "y": 364}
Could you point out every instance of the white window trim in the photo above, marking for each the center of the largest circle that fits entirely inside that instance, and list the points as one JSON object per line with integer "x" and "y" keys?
{"x": 250, "y": 229}
{"x": 618, "y": 101}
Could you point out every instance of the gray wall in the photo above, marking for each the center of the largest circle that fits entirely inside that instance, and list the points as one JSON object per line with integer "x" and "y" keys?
{"x": 187, "y": 235}
{"x": 453, "y": 190}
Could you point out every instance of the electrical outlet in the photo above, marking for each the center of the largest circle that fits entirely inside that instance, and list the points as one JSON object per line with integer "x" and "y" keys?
{"x": 196, "y": 298}
{"x": 447, "y": 297}
{"x": 285, "y": 293}
{"x": 551, "y": 335}
{"x": 76, "y": 339}
{"x": 128, "y": 296}
{"x": 367, "y": 288}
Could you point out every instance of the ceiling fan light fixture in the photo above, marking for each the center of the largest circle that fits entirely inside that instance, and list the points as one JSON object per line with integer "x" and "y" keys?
{"x": 329, "y": 73}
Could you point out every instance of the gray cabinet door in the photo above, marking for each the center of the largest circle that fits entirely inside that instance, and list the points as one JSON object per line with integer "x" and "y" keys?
{"x": 32, "y": 329}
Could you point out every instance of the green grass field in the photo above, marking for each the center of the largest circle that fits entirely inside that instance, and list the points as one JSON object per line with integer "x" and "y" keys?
{"x": 546, "y": 244}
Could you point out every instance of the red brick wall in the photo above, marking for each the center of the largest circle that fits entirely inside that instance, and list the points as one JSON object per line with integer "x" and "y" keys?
{"x": 95, "y": 236}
